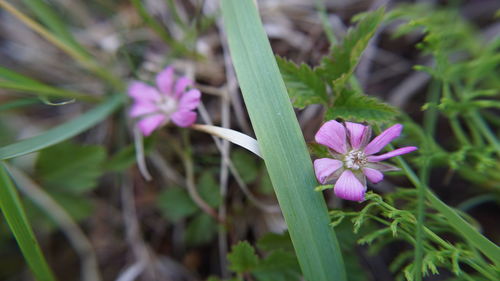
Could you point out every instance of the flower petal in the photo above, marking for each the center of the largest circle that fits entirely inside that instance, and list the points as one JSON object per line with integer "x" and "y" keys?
{"x": 348, "y": 187}
{"x": 396, "y": 152}
{"x": 184, "y": 118}
{"x": 149, "y": 124}
{"x": 358, "y": 133}
{"x": 142, "y": 108}
{"x": 189, "y": 100}
{"x": 383, "y": 139}
{"x": 142, "y": 92}
{"x": 333, "y": 135}
{"x": 375, "y": 176}
{"x": 325, "y": 167}
{"x": 181, "y": 85}
{"x": 383, "y": 167}
{"x": 165, "y": 81}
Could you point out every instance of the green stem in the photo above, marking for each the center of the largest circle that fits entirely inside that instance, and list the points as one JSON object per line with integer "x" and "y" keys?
{"x": 160, "y": 30}
{"x": 455, "y": 124}
{"x": 323, "y": 15}
{"x": 487, "y": 247}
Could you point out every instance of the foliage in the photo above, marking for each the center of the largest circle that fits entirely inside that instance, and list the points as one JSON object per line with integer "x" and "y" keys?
{"x": 399, "y": 224}
{"x": 308, "y": 86}
{"x": 280, "y": 264}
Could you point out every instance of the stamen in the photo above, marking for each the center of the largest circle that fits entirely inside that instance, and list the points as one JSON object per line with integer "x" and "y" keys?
{"x": 355, "y": 160}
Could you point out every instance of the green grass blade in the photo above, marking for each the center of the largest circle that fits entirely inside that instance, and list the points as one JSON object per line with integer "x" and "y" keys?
{"x": 51, "y": 19}
{"x": 483, "y": 244}
{"x": 44, "y": 91}
{"x": 62, "y": 132}
{"x": 281, "y": 143}
{"x": 20, "y": 227}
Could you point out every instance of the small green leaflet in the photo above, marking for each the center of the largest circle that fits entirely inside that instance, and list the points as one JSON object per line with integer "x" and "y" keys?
{"x": 351, "y": 106}
{"x": 70, "y": 167}
{"x": 304, "y": 86}
{"x": 242, "y": 258}
{"x": 339, "y": 65}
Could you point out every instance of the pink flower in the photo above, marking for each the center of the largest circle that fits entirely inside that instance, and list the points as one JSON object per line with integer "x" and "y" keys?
{"x": 353, "y": 157}
{"x": 171, "y": 100}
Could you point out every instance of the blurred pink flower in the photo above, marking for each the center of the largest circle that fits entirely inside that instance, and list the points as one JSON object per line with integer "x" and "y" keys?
{"x": 353, "y": 157}
{"x": 170, "y": 100}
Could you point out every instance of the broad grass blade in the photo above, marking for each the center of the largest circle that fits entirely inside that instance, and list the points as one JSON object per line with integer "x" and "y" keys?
{"x": 281, "y": 143}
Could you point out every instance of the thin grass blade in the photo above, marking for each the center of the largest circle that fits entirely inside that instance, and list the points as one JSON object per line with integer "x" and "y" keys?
{"x": 62, "y": 132}
{"x": 281, "y": 143}
{"x": 14, "y": 213}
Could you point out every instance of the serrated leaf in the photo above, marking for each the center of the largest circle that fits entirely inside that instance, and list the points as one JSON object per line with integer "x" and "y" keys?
{"x": 175, "y": 204}
{"x": 339, "y": 65}
{"x": 242, "y": 258}
{"x": 359, "y": 108}
{"x": 71, "y": 167}
{"x": 278, "y": 266}
{"x": 304, "y": 86}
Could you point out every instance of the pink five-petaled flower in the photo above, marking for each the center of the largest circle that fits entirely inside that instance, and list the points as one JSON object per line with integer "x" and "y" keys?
{"x": 353, "y": 157}
{"x": 171, "y": 100}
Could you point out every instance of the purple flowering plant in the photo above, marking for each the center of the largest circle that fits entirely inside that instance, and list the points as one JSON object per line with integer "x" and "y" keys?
{"x": 171, "y": 100}
{"x": 353, "y": 157}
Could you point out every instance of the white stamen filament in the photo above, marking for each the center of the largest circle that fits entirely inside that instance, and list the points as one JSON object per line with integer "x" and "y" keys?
{"x": 355, "y": 160}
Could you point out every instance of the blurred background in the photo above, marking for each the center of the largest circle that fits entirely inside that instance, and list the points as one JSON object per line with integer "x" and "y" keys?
{"x": 94, "y": 214}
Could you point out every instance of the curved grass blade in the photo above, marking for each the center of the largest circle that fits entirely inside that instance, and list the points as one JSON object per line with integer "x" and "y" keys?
{"x": 19, "y": 82}
{"x": 282, "y": 143}
{"x": 62, "y": 132}
{"x": 18, "y": 222}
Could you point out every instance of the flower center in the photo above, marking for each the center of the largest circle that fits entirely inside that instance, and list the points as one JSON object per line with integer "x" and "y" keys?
{"x": 167, "y": 105}
{"x": 355, "y": 159}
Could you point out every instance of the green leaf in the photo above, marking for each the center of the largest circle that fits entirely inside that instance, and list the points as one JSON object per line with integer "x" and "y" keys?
{"x": 175, "y": 204}
{"x": 339, "y": 65}
{"x": 242, "y": 258}
{"x": 14, "y": 81}
{"x": 278, "y": 266}
{"x": 126, "y": 157}
{"x": 354, "y": 107}
{"x": 246, "y": 164}
{"x": 274, "y": 241}
{"x": 51, "y": 19}
{"x": 209, "y": 189}
{"x": 13, "y": 211}
{"x": 69, "y": 166}
{"x": 281, "y": 143}
{"x": 200, "y": 230}
{"x": 62, "y": 132}
{"x": 77, "y": 206}
{"x": 304, "y": 86}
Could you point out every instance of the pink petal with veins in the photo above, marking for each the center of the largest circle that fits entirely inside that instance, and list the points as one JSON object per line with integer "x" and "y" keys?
{"x": 357, "y": 133}
{"x": 165, "y": 81}
{"x": 189, "y": 100}
{"x": 184, "y": 118}
{"x": 325, "y": 167}
{"x": 148, "y": 124}
{"x": 144, "y": 108}
{"x": 348, "y": 187}
{"x": 383, "y": 139}
{"x": 333, "y": 135}
{"x": 375, "y": 176}
{"x": 396, "y": 152}
{"x": 142, "y": 92}
{"x": 181, "y": 85}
